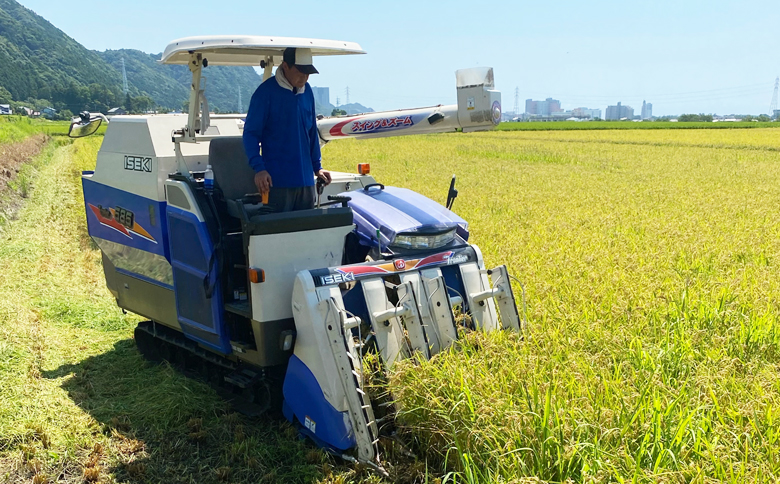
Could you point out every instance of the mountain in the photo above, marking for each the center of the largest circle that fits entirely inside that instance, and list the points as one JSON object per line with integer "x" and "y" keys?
{"x": 169, "y": 85}
{"x": 36, "y": 56}
{"x": 42, "y": 66}
{"x": 351, "y": 108}
{"x": 355, "y": 108}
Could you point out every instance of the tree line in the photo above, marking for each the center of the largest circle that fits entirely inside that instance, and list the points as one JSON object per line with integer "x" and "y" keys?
{"x": 75, "y": 98}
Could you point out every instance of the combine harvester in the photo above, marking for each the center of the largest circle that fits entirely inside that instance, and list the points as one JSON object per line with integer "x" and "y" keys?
{"x": 258, "y": 302}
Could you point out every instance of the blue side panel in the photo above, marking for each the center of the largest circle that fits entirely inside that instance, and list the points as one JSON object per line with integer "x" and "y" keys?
{"x": 303, "y": 399}
{"x": 201, "y": 318}
{"x": 125, "y": 218}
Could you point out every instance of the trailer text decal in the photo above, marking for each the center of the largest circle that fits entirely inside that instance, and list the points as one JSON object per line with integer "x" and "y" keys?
{"x": 121, "y": 220}
{"x": 357, "y": 126}
{"x": 366, "y": 126}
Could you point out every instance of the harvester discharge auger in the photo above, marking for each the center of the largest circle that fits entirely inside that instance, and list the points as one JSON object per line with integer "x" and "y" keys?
{"x": 268, "y": 305}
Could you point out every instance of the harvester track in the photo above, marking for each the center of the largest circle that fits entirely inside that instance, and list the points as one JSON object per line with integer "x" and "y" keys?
{"x": 250, "y": 391}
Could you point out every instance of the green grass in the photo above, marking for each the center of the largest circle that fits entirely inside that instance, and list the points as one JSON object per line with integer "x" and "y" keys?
{"x": 76, "y": 398}
{"x": 17, "y": 128}
{"x": 611, "y": 125}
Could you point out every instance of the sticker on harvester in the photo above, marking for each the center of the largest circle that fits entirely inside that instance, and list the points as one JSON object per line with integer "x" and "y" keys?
{"x": 121, "y": 220}
{"x": 310, "y": 424}
{"x": 459, "y": 259}
{"x": 470, "y": 104}
{"x": 337, "y": 278}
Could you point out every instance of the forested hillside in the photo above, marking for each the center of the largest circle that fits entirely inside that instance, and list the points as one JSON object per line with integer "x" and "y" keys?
{"x": 40, "y": 61}
{"x": 169, "y": 85}
{"x": 42, "y": 66}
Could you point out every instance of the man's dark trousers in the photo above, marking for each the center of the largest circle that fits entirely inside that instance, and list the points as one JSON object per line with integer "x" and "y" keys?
{"x": 289, "y": 199}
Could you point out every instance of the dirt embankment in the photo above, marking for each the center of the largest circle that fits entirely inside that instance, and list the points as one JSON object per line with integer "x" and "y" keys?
{"x": 12, "y": 157}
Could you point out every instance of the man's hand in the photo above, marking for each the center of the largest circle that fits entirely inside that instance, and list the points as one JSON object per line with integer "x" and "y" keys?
{"x": 263, "y": 181}
{"x": 324, "y": 175}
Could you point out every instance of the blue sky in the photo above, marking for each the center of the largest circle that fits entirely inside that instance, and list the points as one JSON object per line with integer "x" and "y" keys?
{"x": 683, "y": 56}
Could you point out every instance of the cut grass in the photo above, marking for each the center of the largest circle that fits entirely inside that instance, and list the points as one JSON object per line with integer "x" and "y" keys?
{"x": 77, "y": 401}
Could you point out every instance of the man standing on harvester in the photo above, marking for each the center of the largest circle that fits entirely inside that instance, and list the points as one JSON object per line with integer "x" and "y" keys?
{"x": 282, "y": 121}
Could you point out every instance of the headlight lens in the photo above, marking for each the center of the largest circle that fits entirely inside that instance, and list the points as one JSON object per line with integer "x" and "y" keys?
{"x": 423, "y": 241}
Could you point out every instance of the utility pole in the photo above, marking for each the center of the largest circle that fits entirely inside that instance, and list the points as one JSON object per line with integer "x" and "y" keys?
{"x": 347, "y": 93}
{"x": 124, "y": 76}
{"x": 773, "y": 104}
{"x": 338, "y": 101}
{"x": 517, "y": 101}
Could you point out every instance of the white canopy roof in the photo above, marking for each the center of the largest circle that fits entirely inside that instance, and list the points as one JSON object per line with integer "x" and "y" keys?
{"x": 249, "y": 50}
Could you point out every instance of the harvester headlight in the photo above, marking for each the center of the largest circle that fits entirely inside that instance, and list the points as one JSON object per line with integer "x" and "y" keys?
{"x": 423, "y": 241}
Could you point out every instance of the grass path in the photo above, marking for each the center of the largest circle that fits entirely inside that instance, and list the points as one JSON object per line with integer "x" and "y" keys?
{"x": 77, "y": 402}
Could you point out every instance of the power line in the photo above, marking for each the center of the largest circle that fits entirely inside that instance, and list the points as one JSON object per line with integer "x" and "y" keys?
{"x": 124, "y": 77}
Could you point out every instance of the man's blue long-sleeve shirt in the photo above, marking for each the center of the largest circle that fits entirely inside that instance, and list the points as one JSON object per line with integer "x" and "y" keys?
{"x": 284, "y": 124}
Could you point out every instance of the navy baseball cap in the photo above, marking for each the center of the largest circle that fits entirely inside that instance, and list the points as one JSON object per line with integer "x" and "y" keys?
{"x": 300, "y": 58}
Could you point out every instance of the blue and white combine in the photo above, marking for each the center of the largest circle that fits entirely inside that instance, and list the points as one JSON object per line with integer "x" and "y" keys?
{"x": 269, "y": 305}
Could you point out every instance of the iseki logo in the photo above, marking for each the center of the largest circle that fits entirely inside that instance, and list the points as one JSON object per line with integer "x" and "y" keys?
{"x": 399, "y": 264}
{"x": 337, "y": 278}
{"x": 138, "y": 163}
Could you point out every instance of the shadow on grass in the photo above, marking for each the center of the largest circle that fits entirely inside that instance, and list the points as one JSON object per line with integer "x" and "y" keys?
{"x": 164, "y": 427}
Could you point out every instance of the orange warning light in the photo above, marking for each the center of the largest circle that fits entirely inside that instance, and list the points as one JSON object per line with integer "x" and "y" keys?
{"x": 256, "y": 276}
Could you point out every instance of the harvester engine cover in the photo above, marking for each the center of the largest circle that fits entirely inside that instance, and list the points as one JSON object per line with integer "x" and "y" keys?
{"x": 405, "y": 220}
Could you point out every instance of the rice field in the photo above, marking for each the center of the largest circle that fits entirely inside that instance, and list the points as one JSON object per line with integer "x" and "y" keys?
{"x": 612, "y": 125}
{"x": 649, "y": 261}
{"x": 17, "y": 128}
{"x": 650, "y": 265}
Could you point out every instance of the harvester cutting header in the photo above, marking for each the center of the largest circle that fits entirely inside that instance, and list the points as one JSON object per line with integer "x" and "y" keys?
{"x": 269, "y": 305}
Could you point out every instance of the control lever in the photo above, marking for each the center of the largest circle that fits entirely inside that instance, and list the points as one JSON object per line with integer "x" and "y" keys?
{"x": 452, "y": 194}
{"x": 320, "y": 188}
{"x": 338, "y": 198}
{"x": 252, "y": 198}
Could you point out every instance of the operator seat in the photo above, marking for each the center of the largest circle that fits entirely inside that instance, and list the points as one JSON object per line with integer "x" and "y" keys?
{"x": 236, "y": 179}
{"x": 232, "y": 173}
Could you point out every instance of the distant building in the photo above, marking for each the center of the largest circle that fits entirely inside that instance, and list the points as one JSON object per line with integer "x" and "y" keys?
{"x": 321, "y": 95}
{"x": 647, "y": 111}
{"x": 543, "y": 108}
{"x": 616, "y": 113}
{"x": 776, "y": 114}
{"x": 5, "y": 109}
{"x": 49, "y": 113}
{"x": 116, "y": 112}
{"x": 586, "y": 113}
